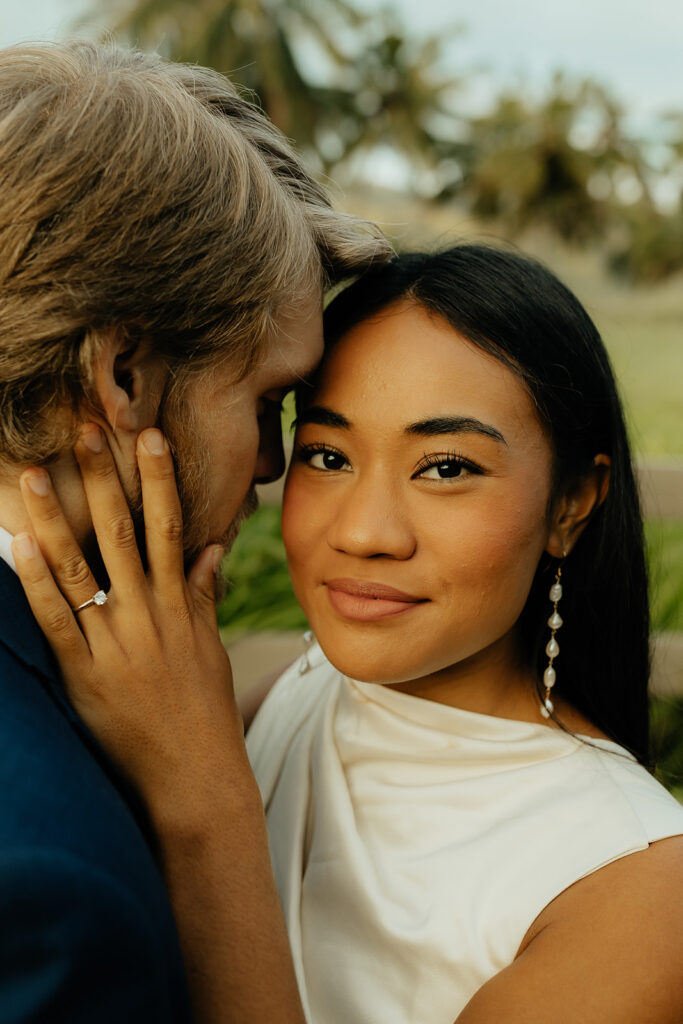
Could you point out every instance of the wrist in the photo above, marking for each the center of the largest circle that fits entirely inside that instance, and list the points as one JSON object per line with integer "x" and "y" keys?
{"x": 195, "y": 808}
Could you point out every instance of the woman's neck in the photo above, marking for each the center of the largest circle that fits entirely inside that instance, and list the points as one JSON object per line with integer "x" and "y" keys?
{"x": 496, "y": 682}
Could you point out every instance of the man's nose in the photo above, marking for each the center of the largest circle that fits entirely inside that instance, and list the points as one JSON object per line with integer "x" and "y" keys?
{"x": 270, "y": 461}
{"x": 372, "y": 521}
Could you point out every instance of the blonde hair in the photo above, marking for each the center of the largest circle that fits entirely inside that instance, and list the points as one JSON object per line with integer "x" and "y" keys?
{"x": 150, "y": 197}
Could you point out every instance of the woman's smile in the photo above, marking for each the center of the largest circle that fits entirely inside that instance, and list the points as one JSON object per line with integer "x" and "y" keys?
{"x": 368, "y": 601}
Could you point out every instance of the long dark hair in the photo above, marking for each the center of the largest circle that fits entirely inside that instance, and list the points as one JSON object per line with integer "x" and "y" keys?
{"x": 516, "y": 310}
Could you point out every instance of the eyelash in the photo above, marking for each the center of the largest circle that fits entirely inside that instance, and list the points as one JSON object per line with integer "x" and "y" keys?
{"x": 441, "y": 458}
{"x": 305, "y": 454}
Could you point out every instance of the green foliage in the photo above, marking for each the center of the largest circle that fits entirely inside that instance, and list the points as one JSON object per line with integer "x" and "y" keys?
{"x": 666, "y": 731}
{"x": 260, "y": 595}
{"x": 341, "y": 82}
{"x": 371, "y": 79}
{"x": 652, "y": 249}
{"x": 552, "y": 160}
{"x": 665, "y": 550}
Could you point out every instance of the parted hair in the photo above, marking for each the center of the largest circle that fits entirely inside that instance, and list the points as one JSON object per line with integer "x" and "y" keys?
{"x": 149, "y": 197}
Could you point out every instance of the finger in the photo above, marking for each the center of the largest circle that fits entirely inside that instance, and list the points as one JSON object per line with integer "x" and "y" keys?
{"x": 58, "y": 546}
{"x": 162, "y": 512}
{"x": 49, "y": 606}
{"x": 110, "y": 513}
{"x": 201, "y": 582}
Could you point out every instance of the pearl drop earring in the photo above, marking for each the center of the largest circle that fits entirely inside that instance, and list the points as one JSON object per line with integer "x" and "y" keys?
{"x": 308, "y": 639}
{"x": 552, "y": 648}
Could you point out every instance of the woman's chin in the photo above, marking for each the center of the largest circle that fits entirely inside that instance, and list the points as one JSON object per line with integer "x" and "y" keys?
{"x": 365, "y": 669}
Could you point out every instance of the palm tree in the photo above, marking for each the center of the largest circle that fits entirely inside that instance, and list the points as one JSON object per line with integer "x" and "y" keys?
{"x": 362, "y": 91}
{"x": 558, "y": 161}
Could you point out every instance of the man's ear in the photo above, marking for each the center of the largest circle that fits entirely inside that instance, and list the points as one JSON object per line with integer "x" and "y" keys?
{"x": 127, "y": 383}
{"x": 574, "y": 508}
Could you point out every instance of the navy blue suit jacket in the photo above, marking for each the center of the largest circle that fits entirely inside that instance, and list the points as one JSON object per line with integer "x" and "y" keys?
{"x": 86, "y": 930}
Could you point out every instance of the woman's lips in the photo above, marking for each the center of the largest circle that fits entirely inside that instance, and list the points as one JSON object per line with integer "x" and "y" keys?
{"x": 368, "y": 601}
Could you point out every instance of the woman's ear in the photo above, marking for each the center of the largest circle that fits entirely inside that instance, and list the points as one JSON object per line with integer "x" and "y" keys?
{"x": 574, "y": 508}
{"x": 127, "y": 383}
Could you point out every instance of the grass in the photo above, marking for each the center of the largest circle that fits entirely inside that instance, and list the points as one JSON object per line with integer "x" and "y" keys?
{"x": 665, "y": 556}
{"x": 666, "y": 731}
{"x": 647, "y": 355}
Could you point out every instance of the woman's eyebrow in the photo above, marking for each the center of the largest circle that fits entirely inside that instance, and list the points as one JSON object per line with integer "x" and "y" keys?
{"x": 454, "y": 425}
{"x": 321, "y": 416}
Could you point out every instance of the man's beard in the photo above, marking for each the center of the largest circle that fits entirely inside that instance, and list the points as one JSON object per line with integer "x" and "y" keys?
{"x": 180, "y": 426}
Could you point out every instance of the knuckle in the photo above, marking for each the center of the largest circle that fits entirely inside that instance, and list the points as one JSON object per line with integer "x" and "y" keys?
{"x": 170, "y": 526}
{"x": 73, "y": 570}
{"x": 104, "y": 469}
{"x": 164, "y": 469}
{"x": 59, "y": 623}
{"x": 121, "y": 531}
{"x": 51, "y": 512}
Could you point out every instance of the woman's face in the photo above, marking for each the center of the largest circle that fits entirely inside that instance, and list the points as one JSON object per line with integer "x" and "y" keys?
{"x": 415, "y": 510}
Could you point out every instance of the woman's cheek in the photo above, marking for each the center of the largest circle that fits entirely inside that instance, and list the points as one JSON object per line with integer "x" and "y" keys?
{"x": 299, "y": 527}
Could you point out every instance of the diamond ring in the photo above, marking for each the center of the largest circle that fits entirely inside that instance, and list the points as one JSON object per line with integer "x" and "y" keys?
{"x": 98, "y": 599}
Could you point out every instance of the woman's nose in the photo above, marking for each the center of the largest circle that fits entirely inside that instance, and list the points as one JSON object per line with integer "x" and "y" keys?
{"x": 370, "y": 522}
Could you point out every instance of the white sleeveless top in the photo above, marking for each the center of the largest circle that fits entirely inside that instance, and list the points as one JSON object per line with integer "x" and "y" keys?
{"x": 414, "y": 844}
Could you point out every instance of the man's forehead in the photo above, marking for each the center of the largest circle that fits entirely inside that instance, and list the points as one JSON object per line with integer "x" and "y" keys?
{"x": 296, "y": 344}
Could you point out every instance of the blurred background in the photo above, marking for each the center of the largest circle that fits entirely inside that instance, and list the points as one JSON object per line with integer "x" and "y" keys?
{"x": 556, "y": 126}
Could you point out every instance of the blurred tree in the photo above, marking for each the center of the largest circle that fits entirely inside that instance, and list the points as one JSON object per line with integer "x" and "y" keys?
{"x": 563, "y": 161}
{"x": 653, "y": 247}
{"x": 335, "y": 80}
{"x": 650, "y": 245}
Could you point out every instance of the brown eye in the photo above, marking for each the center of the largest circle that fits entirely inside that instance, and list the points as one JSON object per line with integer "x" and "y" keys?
{"x": 328, "y": 459}
{"x": 445, "y": 466}
{"x": 444, "y": 470}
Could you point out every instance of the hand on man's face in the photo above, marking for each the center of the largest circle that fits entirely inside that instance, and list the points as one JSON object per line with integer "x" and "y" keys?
{"x": 227, "y": 436}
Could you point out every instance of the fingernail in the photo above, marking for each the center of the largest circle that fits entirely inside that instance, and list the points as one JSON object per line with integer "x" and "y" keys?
{"x": 39, "y": 482}
{"x": 91, "y": 436}
{"x": 217, "y": 558}
{"x": 153, "y": 441}
{"x": 24, "y": 545}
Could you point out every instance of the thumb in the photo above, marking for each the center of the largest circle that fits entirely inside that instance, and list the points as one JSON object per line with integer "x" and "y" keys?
{"x": 201, "y": 581}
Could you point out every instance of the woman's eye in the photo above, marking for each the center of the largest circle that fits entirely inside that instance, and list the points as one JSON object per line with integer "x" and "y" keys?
{"x": 325, "y": 459}
{"x": 445, "y": 468}
{"x": 443, "y": 471}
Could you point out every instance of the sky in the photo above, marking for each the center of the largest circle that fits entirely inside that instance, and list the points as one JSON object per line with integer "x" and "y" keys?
{"x": 633, "y": 46}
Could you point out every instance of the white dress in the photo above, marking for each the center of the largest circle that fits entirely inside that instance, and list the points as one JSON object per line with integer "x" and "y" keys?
{"x": 414, "y": 844}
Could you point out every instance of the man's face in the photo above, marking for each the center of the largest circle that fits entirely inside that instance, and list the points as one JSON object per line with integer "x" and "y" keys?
{"x": 227, "y": 436}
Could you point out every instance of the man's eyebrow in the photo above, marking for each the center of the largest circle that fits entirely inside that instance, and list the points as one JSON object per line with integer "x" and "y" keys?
{"x": 321, "y": 416}
{"x": 454, "y": 425}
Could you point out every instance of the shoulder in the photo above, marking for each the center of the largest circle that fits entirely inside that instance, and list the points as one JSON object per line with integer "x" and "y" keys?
{"x": 609, "y": 948}
{"x": 637, "y": 889}
{"x": 628, "y": 918}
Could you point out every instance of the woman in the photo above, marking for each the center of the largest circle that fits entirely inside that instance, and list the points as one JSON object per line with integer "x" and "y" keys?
{"x": 459, "y": 825}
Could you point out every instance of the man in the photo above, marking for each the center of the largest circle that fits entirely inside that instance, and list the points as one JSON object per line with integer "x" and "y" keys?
{"x": 163, "y": 259}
